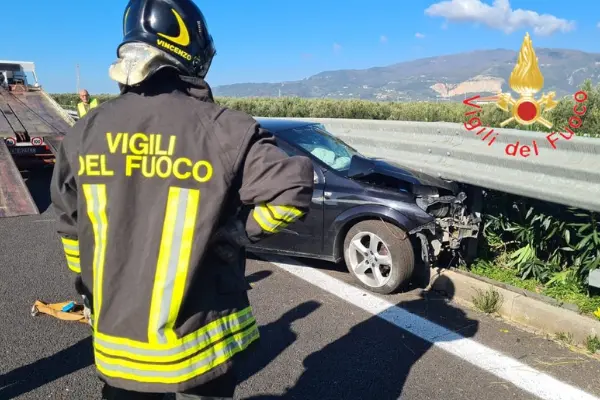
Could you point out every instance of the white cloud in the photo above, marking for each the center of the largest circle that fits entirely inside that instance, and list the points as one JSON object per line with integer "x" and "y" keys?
{"x": 383, "y": 39}
{"x": 419, "y": 35}
{"x": 337, "y": 47}
{"x": 499, "y": 16}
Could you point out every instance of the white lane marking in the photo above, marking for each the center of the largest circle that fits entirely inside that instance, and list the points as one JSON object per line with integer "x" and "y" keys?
{"x": 521, "y": 375}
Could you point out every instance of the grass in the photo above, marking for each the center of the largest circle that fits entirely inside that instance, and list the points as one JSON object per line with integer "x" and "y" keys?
{"x": 565, "y": 337}
{"x": 593, "y": 344}
{"x": 489, "y": 301}
{"x": 566, "y": 293}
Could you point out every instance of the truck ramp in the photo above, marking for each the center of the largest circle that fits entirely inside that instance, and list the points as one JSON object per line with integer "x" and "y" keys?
{"x": 32, "y": 126}
{"x": 15, "y": 199}
{"x": 30, "y": 115}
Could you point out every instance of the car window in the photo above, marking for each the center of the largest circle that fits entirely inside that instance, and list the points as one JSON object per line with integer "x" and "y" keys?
{"x": 314, "y": 139}
{"x": 290, "y": 151}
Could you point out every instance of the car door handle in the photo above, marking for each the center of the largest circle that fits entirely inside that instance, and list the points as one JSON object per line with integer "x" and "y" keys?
{"x": 327, "y": 195}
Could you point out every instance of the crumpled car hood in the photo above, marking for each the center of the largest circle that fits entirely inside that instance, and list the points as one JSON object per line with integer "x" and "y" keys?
{"x": 361, "y": 167}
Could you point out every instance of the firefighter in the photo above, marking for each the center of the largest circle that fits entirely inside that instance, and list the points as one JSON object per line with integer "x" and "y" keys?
{"x": 86, "y": 103}
{"x": 158, "y": 192}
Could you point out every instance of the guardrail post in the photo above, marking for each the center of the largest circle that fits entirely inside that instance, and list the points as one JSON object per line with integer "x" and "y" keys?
{"x": 594, "y": 278}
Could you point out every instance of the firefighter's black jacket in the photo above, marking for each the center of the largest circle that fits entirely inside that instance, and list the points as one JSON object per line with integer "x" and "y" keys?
{"x": 141, "y": 186}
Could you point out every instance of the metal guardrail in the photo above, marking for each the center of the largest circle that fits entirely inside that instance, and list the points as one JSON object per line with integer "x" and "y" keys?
{"x": 73, "y": 114}
{"x": 569, "y": 174}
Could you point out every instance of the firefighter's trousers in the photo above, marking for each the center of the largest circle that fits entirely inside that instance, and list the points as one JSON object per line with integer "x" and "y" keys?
{"x": 221, "y": 388}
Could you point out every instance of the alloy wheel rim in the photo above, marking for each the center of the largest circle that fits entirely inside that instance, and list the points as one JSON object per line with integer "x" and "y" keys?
{"x": 370, "y": 259}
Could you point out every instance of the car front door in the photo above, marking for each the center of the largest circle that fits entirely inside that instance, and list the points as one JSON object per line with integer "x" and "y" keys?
{"x": 303, "y": 237}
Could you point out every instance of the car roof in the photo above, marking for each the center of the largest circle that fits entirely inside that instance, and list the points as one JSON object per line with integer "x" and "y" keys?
{"x": 276, "y": 125}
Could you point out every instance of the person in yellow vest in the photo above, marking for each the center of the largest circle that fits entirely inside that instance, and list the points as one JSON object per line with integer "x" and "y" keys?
{"x": 86, "y": 103}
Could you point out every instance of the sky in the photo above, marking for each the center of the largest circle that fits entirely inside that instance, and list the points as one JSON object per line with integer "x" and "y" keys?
{"x": 275, "y": 41}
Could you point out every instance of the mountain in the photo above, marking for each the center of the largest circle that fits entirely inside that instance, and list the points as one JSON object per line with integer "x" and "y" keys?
{"x": 442, "y": 78}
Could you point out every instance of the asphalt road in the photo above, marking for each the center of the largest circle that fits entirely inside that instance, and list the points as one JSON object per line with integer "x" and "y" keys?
{"x": 322, "y": 338}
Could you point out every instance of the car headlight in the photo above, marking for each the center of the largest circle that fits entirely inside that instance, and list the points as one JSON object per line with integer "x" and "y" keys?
{"x": 426, "y": 198}
{"x": 425, "y": 191}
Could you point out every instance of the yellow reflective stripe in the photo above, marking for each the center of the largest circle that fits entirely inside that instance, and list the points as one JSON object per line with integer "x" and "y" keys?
{"x": 71, "y": 246}
{"x": 285, "y": 213}
{"x": 182, "y": 371}
{"x": 95, "y": 197}
{"x": 71, "y": 253}
{"x": 190, "y": 344}
{"x": 273, "y": 218}
{"x": 93, "y": 103}
{"x": 73, "y": 263}
{"x": 185, "y": 252}
{"x": 173, "y": 263}
{"x": 262, "y": 215}
{"x": 135, "y": 345}
{"x": 260, "y": 221}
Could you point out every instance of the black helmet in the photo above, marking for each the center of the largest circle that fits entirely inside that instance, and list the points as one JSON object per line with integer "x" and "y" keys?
{"x": 176, "y": 27}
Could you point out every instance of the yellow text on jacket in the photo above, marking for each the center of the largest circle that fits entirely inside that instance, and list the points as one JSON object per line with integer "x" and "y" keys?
{"x": 140, "y": 143}
{"x": 148, "y": 155}
{"x": 94, "y": 165}
{"x": 164, "y": 167}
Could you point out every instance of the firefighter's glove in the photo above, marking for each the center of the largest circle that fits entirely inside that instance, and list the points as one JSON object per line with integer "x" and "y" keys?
{"x": 229, "y": 239}
{"x": 233, "y": 232}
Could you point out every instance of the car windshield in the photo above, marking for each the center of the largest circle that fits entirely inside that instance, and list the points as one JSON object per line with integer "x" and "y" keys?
{"x": 323, "y": 145}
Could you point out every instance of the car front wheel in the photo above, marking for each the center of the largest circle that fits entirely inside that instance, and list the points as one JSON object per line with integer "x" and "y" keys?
{"x": 379, "y": 255}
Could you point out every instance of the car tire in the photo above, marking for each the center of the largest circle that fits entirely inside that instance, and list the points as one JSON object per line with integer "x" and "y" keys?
{"x": 385, "y": 248}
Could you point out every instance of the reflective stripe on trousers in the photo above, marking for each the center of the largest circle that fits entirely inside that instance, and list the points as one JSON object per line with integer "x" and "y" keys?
{"x": 165, "y": 358}
{"x": 71, "y": 248}
{"x": 209, "y": 350}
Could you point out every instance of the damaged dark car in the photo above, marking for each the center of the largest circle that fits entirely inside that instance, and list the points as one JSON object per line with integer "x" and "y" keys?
{"x": 383, "y": 220}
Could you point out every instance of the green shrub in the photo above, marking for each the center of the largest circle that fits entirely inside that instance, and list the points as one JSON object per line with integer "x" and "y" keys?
{"x": 553, "y": 244}
{"x": 419, "y": 111}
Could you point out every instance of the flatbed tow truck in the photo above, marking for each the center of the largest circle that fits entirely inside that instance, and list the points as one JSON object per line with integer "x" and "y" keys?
{"x": 32, "y": 126}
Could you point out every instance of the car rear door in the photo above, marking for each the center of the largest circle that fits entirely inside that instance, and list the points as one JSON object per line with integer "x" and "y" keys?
{"x": 304, "y": 237}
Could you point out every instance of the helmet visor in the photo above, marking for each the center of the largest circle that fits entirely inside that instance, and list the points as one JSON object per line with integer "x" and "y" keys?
{"x": 136, "y": 62}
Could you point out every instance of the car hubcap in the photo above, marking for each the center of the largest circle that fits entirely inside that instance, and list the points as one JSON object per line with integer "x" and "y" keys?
{"x": 370, "y": 259}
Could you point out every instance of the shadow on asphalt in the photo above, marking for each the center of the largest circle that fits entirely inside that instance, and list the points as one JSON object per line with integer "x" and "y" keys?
{"x": 258, "y": 276}
{"x": 30, "y": 377}
{"x": 372, "y": 361}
